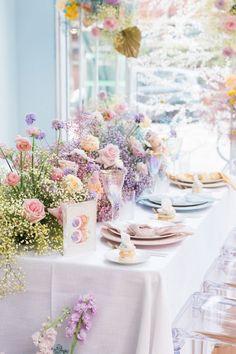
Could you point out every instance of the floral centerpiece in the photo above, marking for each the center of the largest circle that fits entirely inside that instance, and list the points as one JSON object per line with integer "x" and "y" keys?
{"x": 32, "y": 193}
{"x": 114, "y": 137}
{"x": 111, "y": 19}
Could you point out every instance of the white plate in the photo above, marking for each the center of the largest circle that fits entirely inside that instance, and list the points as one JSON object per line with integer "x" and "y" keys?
{"x": 186, "y": 208}
{"x": 141, "y": 257}
{"x": 189, "y": 185}
{"x": 158, "y": 242}
{"x": 177, "y": 201}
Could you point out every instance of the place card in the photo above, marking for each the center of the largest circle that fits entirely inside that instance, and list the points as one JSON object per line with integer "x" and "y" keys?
{"x": 79, "y": 227}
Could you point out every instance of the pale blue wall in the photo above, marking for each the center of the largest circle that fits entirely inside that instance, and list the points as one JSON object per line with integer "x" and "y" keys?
{"x": 8, "y": 77}
{"x": 35, "y": 24}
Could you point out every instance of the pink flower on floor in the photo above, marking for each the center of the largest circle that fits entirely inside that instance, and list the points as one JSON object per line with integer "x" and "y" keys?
{"x": 34, "y": 210}
{"x": 57, "y": 213}
{"x": 23, "y": 144}
{"x": 109, "y": 156}
{"x": 228, "y": 52}
{"x": 57, "y": 174}
{"x": 33, "y": 132}
{"x": 12, "y": 179}
{"x": 96, "y": 32}
{"x": 110, "y": 24}
{"x": 230, "y": 24}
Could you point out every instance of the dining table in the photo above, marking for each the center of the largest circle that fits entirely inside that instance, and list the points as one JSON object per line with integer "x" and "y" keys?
{"x": 136, "y": 304}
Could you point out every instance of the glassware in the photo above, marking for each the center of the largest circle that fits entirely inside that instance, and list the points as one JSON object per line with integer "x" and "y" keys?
{"x": 154, "y": 164}
{"x": 127, "y": 210}
{"x": 174, "y": 146}
{"x": 113, "y": 181}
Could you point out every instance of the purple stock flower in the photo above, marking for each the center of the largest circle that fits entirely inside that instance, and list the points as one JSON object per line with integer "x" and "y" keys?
{"x": 30, "y": 118}
{"x": 41, "y": 136}
{"x": 81, "y": 318}
{"x": 57, "y": 124}
{"x": 139, "y": 118}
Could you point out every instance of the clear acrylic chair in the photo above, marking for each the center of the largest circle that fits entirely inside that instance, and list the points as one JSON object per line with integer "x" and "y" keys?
{"x": 206, "y": 325}
{"x": 229, "y": 248}
{"x": 220, "y": 279}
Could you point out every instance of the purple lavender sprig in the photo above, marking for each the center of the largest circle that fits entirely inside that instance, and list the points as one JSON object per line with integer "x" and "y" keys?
{"x": 80, "y": 320}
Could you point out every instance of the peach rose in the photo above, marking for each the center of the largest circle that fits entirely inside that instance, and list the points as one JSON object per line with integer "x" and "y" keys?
{"x": 34, "y": 210}
{"x": 156, "y": 144}
{"x": 90, "y": 143}
{"x": 23, "y": 144}
{"x": 94, "y": 184}
{"x": 12, "y": 179}
{"x": 142, "y": 169}
{"x": 108, "y": 114}
{"x": 110, "y": 156}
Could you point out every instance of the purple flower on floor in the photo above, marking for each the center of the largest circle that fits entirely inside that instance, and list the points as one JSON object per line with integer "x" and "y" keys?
{"x": 139, "y": 118}
{"x": 41, "y": 136}
{"x": 57, "y": 124}
{"x": 80, "y": 320}
{"x": 30, "y": 118}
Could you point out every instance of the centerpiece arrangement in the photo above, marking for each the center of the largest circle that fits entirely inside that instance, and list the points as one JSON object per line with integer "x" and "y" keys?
{"x": 115, "y": 138}
{"x": 110, "y": 19}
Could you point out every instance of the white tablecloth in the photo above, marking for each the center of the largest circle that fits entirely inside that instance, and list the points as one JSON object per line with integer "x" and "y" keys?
{"x": 135, "y": 304}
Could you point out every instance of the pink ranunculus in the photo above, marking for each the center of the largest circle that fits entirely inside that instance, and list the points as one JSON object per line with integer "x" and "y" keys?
{"x": 12, "y": 179}
{"x": 57, "y": 213}
{"x": 34, "y": 210}
{"x": 57, "y": 174}
{"x": 110, "y": 24}
{"x": 23, "y": 144}
{"x": 121, "y": 108}
{"x": 96, "y": 32}
{"x": 136, "y": 147}
{"x": 33, "y": 132}
{"x": 230, "y": 23}
{"x": 109, "y": 156}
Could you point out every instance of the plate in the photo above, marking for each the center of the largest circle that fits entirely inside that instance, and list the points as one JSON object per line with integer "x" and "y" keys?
{"x": 141, "y": 257}
{"x": 180, "y": 201}
{"x": 159, "y": 242}
{"x": 180, "y": 208}
{"x": 189, "y": 185}
{"x": 188, "y": 178}
{"x": 135, "y": 237}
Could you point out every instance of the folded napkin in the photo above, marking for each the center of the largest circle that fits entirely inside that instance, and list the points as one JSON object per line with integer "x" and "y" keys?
{"x": 224, "y": 349}
{"x": 149, "y": 231}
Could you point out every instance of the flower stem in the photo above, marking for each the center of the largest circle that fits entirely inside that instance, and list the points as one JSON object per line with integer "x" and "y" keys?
{"x": 21, "y": 170}
{"x": 6, "y": 159}
{"x": 75, "y": 339}
{"x": 32, "y": 159}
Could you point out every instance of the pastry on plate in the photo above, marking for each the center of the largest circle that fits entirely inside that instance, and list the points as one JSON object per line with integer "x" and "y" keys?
{"x": 127, "y": 250}
{"x": 197, "y": 186}
{"x": 167, "y": 211}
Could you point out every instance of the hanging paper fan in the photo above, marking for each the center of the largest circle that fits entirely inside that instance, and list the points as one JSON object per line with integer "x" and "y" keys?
{"x": 127, "y": 42}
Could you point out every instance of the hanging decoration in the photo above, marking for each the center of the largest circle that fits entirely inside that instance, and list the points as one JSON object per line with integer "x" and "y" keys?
{"x": 109, "y": 19}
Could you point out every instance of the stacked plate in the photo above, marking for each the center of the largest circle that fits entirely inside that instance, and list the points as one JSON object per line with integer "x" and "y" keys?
{"x": 146, "y": 234}
{"x": 182, "y": 203}
{"x": 209, "y": 180}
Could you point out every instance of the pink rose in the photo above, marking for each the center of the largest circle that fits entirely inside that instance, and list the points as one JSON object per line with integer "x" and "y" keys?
{"x": 33, "y": 132}
{"x": 110, "y": 24}
{"x": 121, "y": 108}
{"x": 96, "y": 32}
{"x": 34, "y": 210}
{"x": 12, "y": 179}
{"x": 57, "y": 174}
{"x": 230, "y": 23}
{"x": 57, "y": 213}
{"x": 136, "y": 147}
{"x": 109, "y": 156}
{"x": 23, "y": 144}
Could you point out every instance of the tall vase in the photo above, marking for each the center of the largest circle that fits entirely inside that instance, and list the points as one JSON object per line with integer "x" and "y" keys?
{"x": 232, "y": 159}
